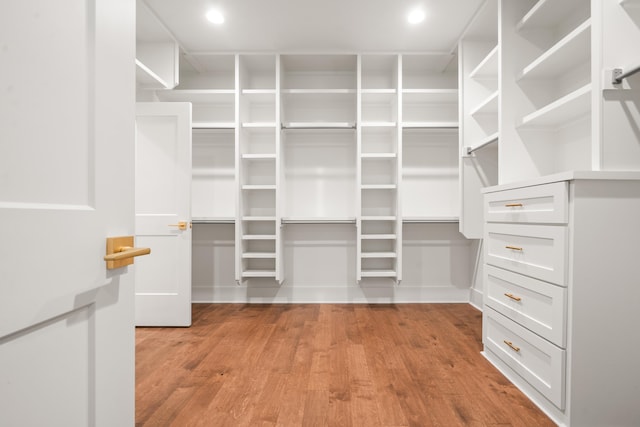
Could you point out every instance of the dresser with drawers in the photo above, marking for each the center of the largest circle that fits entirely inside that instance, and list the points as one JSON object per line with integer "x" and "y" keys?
{"x": 561, "y": 315}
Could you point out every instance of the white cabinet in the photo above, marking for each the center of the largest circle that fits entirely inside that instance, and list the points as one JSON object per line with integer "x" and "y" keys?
{"x": 560, "y": 280}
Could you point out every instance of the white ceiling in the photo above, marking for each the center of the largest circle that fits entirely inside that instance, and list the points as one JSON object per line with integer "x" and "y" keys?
{"x": 311, "y": 26}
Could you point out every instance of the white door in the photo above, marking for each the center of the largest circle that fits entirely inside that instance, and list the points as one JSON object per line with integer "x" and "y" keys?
{"x": 66, "y": 184}
{"x": 163, "y": 213}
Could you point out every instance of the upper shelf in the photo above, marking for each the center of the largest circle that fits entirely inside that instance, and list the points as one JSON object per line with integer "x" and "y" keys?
{"x": 198, "y": 96}
{"x": 488, "y": 67}
{"x": 147, "y": 79}
{"x": 572, "y": 50}
{"x": 560, "y": 112}
{"x": 549, "y": 13}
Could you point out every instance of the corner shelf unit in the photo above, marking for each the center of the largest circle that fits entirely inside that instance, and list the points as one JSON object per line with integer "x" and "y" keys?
{"x": 294, "y": 139}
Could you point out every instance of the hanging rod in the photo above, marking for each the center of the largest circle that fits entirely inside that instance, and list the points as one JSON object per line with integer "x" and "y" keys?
{"x": 619, "y": 74}
{"x": 470, "y": 150}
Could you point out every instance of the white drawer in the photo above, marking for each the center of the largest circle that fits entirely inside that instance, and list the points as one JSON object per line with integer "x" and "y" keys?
{"x": 536, "y": 305}
{"x": 535, "y": 359}
{"x": 546, "y": 203}
{"x": 537, "y": 251}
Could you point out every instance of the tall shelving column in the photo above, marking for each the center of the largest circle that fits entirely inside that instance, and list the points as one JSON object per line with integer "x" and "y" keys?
{"x": 379, "y": 239}
{"x": 429, "y": 140}
{"x": 318, "y": 107}
{"x": 546, "y": 124}
{"x": 479, "y": 57}
{"x": 258, "y": 228}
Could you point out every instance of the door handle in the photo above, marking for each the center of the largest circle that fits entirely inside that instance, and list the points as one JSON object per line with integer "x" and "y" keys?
{"x": 120, "y": 252}
{"x": 182, "y": 225}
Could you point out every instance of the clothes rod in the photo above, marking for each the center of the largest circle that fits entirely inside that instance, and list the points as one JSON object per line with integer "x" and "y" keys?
{"x": 619, "y": 74}
{"x": 479, "y": 146}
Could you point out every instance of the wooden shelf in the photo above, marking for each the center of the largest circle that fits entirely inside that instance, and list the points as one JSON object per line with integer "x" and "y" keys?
{"x": 259, "y": 255}
{"x": 213, "y": 125}
{"x": 378, "y": 273}
{"x": 199, "y": 96}
{"x": 561, "y": 111}
{"x": 258, "y": 157}
{"x": 378, "y": 255}
{"x": 259, "y": 273}
{"x": 259, "y": 237}
{"x": 378, "y": 218}
{"x": 548, "y": 13}
{"x": 378, "y": 237}
{"x": 319, "y": 125}
{"x": 571, "y": 51}
{"x": 429, "y": 219}
{"x": 430, "y": 125}
{"x": 259, "y": 218}
{"x": 319, "y": 220}
{"x": 378, "y": 186}
{"x": 488, "y": 67}
{"x": 259, "y": 187}
{"x": 378, "y": 155}
{"x": 147, "y": 79}
{"x": 488, "y": 106}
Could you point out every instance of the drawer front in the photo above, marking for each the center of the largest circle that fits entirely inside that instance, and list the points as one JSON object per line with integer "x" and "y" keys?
{"x": 536, "y": 305}
{"x": 537, "y": 251}
{"x": 535, "y": 359}
{"x": 538, "y": 204}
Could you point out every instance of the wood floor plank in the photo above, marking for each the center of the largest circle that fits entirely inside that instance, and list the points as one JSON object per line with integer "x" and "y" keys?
{"x": 325, "y": 365}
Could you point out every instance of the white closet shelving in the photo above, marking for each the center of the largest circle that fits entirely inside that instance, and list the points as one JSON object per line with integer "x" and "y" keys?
{"x": 429, "y": 138}
{"x": 479, "y": 53}
{"x": 549, "y": 123}
{"x": 302, "y": 158}
{"x": 258, "y": 237}
{"x": 379, "y": 231}
{"x": 318, "y": 113}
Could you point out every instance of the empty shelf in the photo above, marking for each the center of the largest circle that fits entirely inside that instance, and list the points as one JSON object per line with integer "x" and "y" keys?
{"x": 258, "y": 218}
{"x": 561, "y": 111}
{"x": 430, "y": 125}
{"x": 213, "y": 220}
{"x": 318, "y": 125}
{"x": 267, "y": 125}
{"x": 378, "y": 155}
{"x": 198, "y": 96}
{"x": 213, "y": 125}
{"x": 378, "y": 273}
{"x": 379, "y": 124}
{"x": 378, "y": 237}
{"x": 259, "y": 187}
{"x": 259, "y": 255}
{"x": 430, "y": 219}
{"x": 378, "y": 187}
{"x": 147, "y": 79}
{"x": 488, "y": 106}
{"x": 259, "y": 156}
{"x": 259, "y": 237}
{"x": 378, "y": 255}
{"x": 259, "y": 273}
{"x": 488, "y": 67}
{"x": 319, "y": 220}
{"x": 379, "y": 218}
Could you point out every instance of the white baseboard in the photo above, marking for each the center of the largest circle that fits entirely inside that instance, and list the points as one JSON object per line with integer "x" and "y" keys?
{"x": 266, "y": 292}
{"x": 475, "y": 298}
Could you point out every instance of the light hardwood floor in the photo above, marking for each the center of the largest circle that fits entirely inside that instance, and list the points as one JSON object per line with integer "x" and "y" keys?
{"x": 324, "y": 365}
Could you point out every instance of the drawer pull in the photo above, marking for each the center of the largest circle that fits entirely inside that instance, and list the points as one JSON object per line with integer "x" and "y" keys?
{"x": 513, "y": 347}
{"x": 513, "y": 248}
{"x": 513, "y": 297}
{"x": 513, "y": 205}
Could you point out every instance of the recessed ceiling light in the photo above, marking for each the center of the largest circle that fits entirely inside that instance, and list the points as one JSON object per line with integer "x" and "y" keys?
{"x": 215, "y": 17}
{"x": 416, "y": 16}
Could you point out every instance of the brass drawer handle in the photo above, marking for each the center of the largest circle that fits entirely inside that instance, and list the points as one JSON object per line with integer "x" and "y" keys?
{"x": 513, "y": 205}
{"x": 513, "y": 347}
{"x": 513, "y": 248}
{"x": 513, "y": 297}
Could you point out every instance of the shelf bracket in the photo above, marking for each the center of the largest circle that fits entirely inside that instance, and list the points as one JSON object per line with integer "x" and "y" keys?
{"x": 619, "y": 74}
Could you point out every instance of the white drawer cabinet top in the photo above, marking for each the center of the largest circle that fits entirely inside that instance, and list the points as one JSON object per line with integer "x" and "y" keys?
{"x": 567, "y": 176}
